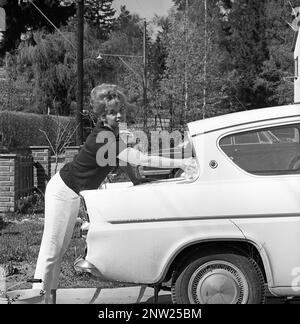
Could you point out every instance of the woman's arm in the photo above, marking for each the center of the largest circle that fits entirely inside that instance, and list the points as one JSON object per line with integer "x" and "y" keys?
{"x": 133, "y": 156}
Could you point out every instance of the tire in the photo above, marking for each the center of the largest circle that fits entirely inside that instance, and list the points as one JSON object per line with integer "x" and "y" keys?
{"x": 223, "y": 278}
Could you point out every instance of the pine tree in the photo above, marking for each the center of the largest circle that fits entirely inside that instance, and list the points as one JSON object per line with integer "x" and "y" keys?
{"x": 126, "y": 38}
{"x": 51, "y": 67}
{"x": 243, "y": 38}
{"x": 258, "y": 44}
{"x": 275, "y": 81}
{"x": 158, "y": 51}
{"x": 100, "y": 13}
{"x": 181, "y": 4}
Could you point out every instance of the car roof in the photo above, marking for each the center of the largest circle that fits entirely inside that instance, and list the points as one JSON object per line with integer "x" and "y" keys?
{"x": 244, "y": 117}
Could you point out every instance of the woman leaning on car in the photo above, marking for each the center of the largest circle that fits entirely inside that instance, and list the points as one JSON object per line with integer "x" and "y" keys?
{"x": 86, "y": 172}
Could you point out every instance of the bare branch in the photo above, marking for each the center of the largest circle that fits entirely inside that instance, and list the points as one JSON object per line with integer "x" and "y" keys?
{"x": 48, "y": 140}
{"x": 69, "y": 138}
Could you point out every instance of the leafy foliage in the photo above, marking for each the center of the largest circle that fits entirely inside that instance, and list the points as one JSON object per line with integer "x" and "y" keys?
{"x": 22, "y": 129}
{"x": 50, "y": 68}
{"x": 193, "y": 84}
{"x": 30, "y": 204}
{"x": 275, "y": 81}
{"x": 19, "y": 17}
{"x": 236, "y": 57}
{"x": 244, "y": 41}
{"x": 100, "y": 14}
{"x": 126, "y": 38}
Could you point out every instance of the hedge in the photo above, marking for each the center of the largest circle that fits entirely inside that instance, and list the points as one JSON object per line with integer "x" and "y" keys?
{"x": 18, "y": 129}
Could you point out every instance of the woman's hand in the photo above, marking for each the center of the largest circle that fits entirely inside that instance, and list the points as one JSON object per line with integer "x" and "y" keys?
{"x": 190, "y": 168}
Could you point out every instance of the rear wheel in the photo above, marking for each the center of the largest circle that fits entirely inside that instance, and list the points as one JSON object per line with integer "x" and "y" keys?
{"x": 218, "y": 279}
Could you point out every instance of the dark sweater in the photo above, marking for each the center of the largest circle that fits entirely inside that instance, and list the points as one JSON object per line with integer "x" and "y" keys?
{"x": 96, "y": 159}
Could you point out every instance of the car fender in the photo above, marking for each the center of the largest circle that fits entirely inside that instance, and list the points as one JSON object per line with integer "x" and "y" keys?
{"x": 232, "y": 238}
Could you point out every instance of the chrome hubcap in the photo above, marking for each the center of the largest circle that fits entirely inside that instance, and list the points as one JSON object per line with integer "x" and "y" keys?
{"x": 218, "y": 282}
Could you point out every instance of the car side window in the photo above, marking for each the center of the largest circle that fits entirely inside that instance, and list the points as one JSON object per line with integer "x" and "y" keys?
{"x": 246, "y": 138}
{"x": 268, "y": 151}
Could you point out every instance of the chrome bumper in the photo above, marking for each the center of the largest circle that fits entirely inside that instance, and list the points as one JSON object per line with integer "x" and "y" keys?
{"x": 83, "y": 266}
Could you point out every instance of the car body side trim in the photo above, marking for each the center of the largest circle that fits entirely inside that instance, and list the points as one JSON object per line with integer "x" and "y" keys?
{"x": 183, "y": 219}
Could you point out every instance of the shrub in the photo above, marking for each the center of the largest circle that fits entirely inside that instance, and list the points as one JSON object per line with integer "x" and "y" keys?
{"x": 31, "y": 204}
{"x": 19, "y": 129}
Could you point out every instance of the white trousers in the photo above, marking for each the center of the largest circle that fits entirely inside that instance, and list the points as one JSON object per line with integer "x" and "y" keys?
{"x": 61, "y": 210}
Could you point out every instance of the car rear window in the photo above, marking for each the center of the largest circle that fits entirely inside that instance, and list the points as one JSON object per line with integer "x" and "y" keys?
{"x": 268, "y": 151}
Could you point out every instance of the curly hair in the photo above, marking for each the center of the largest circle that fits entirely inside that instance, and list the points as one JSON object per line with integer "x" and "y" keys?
{"x": 105, "y": 96}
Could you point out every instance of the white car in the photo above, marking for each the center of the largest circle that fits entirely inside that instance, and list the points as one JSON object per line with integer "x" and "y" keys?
{"x": 221, "y": 237}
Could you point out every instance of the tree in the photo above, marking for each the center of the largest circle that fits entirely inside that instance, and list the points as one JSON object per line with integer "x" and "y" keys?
{"x": 50, "y": 67}
{"x": 126, "y": 38}
{"x": 275, "y": 81}
{"x": 158, "y": 51}
{"x": 252, "y": 52}
{"x": 193, "y": 85}
{"x": 19, "y": 17}
{"x": 181, "y": 4}
{"x": 243, "y": 38}
{"x": 157, "y": 60}
{"x": 100, "y": 13}
{"x": 258, "y": 43}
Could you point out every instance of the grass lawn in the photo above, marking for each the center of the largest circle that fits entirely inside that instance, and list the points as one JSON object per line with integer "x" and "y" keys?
{"x": 20, "y": 238}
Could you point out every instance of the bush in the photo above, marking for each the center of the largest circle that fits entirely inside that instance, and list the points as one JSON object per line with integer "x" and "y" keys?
{"x": 31, "y": 204}
{"x": 19, "y": 129}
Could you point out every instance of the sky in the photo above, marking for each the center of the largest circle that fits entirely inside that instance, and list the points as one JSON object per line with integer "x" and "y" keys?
{"x": 145, "y": 8}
